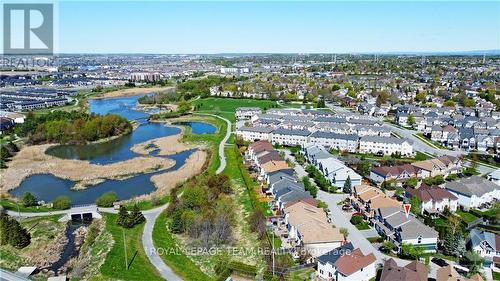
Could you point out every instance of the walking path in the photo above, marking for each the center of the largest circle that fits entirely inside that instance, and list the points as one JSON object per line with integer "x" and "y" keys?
{"x": 223, "y": 143}
{"x": 147, "y": 242}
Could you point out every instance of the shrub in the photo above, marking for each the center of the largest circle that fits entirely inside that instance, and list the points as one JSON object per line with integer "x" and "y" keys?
{"x": 106, "y": 200}
{"x": 29, "y": 199}
{"x": 356, "y": 220}
{"x": 61, "y": 203}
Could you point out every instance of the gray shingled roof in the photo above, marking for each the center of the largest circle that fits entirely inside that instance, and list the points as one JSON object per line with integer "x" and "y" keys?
{"x": 327, "y": 135}
{"x": 474, "y": 185}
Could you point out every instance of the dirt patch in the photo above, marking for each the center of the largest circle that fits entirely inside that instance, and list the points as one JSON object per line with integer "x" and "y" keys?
{"x": 194, "y": 165}
{"x": 132, "y": 92}
{"x": 33, "y": 160}
{"x": 166, "y": 145}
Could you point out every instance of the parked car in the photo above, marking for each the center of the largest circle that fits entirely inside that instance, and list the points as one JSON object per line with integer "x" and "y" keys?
{"x": 439, "y": 262}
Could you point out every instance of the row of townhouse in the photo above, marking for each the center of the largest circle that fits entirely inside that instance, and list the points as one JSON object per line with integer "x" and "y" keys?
{"x": 299, "y": 222}
{"x": 454, "y": 128}
{"x": 367, "y": 200}
{"x": 443, "y": 165}
{"x": 394, "y": 225}
{"x": 382, "y": 145}
{"x": 334, "y": 170}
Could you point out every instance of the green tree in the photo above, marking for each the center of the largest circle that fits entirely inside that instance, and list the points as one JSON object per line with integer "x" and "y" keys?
{"x": 348, "y": 185}
{"x": 473, "y": 261}
{"x": 61, "y": 203}
{"x": 123, "y": 219}
{"x": 449, "y": 103}
{"x": 411, "y": 252}
{"x": 177, "y": 224}
{"x": 136, "y": 216}
{"x": 388, "y": 246}
{"x": 345, "y": 232}
{"x": 416, "y": 205}
{"x": 411, "y": 182}
{"x": 29, "y": 199}
{"x": 20, "y": 237}
{"x": 106, "y": 200}
{"x": 468, "y": 102}
{"x": 194, "y": 197}
{"x": 411, "y": 120}
{"x": 420, "y": 97}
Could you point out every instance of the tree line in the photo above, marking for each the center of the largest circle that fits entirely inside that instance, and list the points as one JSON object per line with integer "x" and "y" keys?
{"x": 12, "y": 233}
{"x": 71, "y": 127}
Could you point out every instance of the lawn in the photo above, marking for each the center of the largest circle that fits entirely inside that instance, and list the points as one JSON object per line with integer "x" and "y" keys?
{"x": 496, "y": 275}
{"x": 11, "y": 205}
{"x": 139, "y": 267}
{"x": 228, "y": 106}
{"x": 363, "y": 226}
{"x": 301, "y": 275}
{"x": 467, "y": 217}
{"x": 171, "y": 253}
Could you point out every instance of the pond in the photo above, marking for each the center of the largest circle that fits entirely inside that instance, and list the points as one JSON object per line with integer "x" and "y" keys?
{"x": 198, "y": 127}
{"x": 47, "y": 187}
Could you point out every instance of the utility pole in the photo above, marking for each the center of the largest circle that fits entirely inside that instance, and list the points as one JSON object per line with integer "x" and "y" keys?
{"x": 273, "y": 254}
{"x": 125, "y": 247}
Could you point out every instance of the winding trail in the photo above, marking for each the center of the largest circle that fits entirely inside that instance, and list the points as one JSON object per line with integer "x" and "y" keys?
{"x": 223, "y": 143}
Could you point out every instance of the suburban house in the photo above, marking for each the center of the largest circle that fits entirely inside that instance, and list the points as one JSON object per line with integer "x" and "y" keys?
{"x": 495, "y": 176}
{"x": 441, "y": 166}
{"x": 367, "y": 199}
{"x": 385, "y": 145}
{"x": 254, "y": 133}
{"x": 342, "y": 142}
{"x": 487, "y": 244}
{"x": 308, "y": 226}
{"x": 258, "y": 147}
{"x": 273, "y": 166}
{"x": 398, "y": 173}
{"x": 434, "y": 199}
{"x": 346, "y": 264}
{"x": 290, "y": 137}
{"x": 474, "y": 192}
{"x": 247, "y": 112}
{"x": 414, "y": 271}
{"x": 392, "y": 224}
{"x": 448, "y": 273}
{"x": 337, "y": 173}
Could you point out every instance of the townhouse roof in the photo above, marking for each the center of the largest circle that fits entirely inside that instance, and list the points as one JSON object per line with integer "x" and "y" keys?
{"x": 448, "y": 273}
{"x": 291, "y": 132}
{"x": 273, "y": 166}
{"x": 410, "y": 228}
{"x": 383, "y": 139}
{"x": 243, "y": 108}
{"x": 256, "y": 129}
{"x": 430, "y": 164}
{"x": 260, "y": 146}
{"x": 279, "y": 176}
{"x": 289, "y": 194}
{"x": 395, "y": 170}
{"x": 352, "y": 262}
{"x": 479, "y": 236}
{"x": 474, "y": 185}
{"x": 332, "y": 256}
{"x": 414, "y": 271}
{"x": 328, "y": 135}
{"x": 312, "y": 224}
{"x": 427, "y": 193}
{"x": 310, "y": 201}
{"x": 272, "y": 155}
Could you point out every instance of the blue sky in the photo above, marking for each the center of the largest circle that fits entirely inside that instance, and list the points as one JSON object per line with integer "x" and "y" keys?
{"x": 284, "y": 27}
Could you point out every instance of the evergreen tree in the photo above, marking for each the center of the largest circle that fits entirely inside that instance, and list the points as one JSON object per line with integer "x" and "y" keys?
{"x": 4, "y": 229}
{"x": 19, "y": 237}
{"x": 348, "y": 185}
{"x": 123, "y": 217}
{"x": 136, "y": 217}
{"x": 29, "y": 199}
{"x": 177, "y": 224}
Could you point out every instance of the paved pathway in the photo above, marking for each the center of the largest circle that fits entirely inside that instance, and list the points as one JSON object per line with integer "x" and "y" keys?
{"x": 222, "y": 156}
{"x": 147, "y": 242}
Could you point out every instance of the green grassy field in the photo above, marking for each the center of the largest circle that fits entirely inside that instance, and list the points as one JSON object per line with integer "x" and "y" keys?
{"x": 467, "y": 217}
{"x": 300, "y": 275}
{"x": 114, "y": 266}
{"x": 226, "y": 107}
{"x": 11, "y": 205}
{"x": 171, "y": 253}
